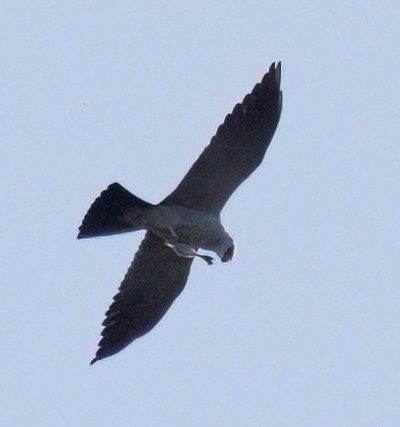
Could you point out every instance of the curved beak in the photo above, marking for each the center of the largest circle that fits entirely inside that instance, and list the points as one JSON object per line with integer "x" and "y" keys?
{"x": 228, "y": 255}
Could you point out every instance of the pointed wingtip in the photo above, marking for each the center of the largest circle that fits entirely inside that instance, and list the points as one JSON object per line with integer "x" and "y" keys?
{"x": 278, "y": 70}
{"x": 274, "y": 72}
{"x": 93, "y": 361}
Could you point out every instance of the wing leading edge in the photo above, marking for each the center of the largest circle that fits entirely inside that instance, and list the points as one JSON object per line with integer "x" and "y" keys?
{"x": 235, "y": 151}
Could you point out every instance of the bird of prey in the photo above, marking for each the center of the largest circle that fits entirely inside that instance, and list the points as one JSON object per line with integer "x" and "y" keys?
{"x": 185, "y": 221}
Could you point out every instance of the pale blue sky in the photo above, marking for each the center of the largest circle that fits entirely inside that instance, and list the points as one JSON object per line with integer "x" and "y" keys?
{"x": 302, "y": 327}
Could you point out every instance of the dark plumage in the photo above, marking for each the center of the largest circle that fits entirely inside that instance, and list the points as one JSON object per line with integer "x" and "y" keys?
{"x": 186, "y": 220}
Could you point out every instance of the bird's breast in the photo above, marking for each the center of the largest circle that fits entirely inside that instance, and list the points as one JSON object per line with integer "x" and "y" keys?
{"x": 195, "y": 228}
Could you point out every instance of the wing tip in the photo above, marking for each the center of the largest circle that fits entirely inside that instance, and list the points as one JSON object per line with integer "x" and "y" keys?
{"x": 278, "y": 73}
{"x": 275, "y": 70}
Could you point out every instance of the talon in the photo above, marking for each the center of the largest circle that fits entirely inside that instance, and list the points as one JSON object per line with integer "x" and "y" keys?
{"x": 208, "y": 259}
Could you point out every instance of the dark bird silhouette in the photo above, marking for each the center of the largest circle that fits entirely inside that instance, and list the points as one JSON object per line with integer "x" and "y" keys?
{"x": 185, "y": 221}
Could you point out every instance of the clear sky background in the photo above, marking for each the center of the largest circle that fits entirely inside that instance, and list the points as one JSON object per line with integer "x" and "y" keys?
{"x": 302, "y": 327}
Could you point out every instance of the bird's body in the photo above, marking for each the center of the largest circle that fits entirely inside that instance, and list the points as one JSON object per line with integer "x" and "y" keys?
{"x": 185, "y": 221}
{"x": 196, "y": 229}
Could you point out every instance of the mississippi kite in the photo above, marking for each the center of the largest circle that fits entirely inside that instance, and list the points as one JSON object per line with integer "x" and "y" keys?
{"x": 185, "y": 221}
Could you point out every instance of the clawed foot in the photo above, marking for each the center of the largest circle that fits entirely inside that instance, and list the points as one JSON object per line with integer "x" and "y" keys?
{"x": 208, "y": 259}
{"x": 185, "y": 251}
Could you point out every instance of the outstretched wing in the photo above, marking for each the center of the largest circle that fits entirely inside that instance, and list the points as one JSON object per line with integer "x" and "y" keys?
{"x": 154, "y": 279}
{"x": 235, "y": 151}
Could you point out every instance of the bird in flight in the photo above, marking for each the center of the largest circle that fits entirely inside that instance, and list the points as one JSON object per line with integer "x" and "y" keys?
{"x": 185, "y": 221}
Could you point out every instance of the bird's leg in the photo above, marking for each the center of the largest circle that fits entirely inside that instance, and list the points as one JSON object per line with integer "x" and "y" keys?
{"x": 208, "y": 259}
{"x": 182, "y": 249}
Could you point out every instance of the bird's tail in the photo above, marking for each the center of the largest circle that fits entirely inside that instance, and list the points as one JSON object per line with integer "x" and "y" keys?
{"x": 115, "y": 211}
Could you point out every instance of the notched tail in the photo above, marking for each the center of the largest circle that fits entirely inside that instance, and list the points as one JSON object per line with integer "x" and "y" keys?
{"x": 115, "y": 211}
